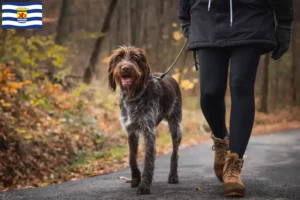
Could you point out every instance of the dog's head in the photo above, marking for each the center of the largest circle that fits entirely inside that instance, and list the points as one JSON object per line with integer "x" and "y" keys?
{"x": 128, "y": 67}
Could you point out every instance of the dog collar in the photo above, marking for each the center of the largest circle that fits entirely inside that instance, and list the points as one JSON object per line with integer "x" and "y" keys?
{"x": 136, "y": 97}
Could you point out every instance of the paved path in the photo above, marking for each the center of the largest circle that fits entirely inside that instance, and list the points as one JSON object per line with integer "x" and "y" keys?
{"x": 271, "y": 171}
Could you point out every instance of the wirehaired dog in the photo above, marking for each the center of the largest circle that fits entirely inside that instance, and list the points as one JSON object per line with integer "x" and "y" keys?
{"x": 144, "y": 103}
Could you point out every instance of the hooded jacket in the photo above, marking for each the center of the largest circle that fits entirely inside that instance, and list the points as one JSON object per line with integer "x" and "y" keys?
{"x": 218, "y": 23}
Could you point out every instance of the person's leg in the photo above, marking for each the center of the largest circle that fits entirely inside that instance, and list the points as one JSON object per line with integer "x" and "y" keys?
{"x": 244, "y": 62}
{"x": 213, "y": 82}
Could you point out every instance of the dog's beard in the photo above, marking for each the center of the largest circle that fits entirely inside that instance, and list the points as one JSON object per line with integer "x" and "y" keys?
{"x": 131, "y": 90}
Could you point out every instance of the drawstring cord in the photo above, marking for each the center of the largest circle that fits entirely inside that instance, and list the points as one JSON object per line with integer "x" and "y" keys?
{"x": 209, "y": 4}
{"x": 231, "y": 13}
{"x": 196, "y": 60}
{"x": 231, "y": 10}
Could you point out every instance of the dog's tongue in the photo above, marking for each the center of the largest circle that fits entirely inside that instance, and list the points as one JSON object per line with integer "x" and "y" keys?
{"x": 126, "y": 81}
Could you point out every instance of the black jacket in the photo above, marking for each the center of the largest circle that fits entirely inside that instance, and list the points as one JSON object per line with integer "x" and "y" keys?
{"x": 245, "y": 22}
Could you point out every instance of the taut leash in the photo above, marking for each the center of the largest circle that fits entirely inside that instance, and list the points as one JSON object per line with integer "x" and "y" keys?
{"x": 172, "y": 65}
{"x": 174, "y": 62}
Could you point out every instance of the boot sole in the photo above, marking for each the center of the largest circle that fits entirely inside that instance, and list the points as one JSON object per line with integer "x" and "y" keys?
{"x": 232, "y": 191}
{"x": 234, "y": 194}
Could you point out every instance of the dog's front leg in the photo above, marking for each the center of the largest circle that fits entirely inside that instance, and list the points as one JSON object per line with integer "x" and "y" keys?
{"x": 149, "y": 161}
{"x": 133, "y": 141}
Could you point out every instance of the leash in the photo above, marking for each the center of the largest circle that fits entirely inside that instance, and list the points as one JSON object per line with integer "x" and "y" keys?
{"x": 174, "y": 62}
{"x": 172, "y": 65}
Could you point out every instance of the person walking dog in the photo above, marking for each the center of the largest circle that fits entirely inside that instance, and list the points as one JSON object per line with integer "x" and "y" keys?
{"x": 239, "y": 32}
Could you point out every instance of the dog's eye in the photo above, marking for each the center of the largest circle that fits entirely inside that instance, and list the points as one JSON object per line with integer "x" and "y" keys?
{"x": 135, "y": 58}
{"x": 117, "y": 58}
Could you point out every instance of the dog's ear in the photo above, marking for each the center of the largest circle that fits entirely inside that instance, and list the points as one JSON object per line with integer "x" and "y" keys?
{"x": 145, "y": 67}
{"x": 111, "y": 80}
{"x": 146, "y": 75}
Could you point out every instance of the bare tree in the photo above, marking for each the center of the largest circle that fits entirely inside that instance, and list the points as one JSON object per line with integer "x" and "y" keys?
{"x": 3, "y": 34}
{"x": 96, "y": 51}
{"x": 64, "y": 23}
{"x": 129, "y": 16}
{"x": 294, "y": 66}
{"x": 295, "y": 59}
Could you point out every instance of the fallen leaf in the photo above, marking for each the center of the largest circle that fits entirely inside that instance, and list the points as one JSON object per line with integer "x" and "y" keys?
{"x": 43, "y": 184}
{"x": 28, "y": 136}
{"x": 7, "y": 105}
{"x": 123, "y": 178}
{"x": 76, "y": 137}
{"x": 198, "y": 188}
{"x": 20, "y": 130}
{"x": 127, "y": 180}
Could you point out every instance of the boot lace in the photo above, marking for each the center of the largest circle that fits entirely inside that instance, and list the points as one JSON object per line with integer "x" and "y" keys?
{"x": 221, "y": 148}
{"x": 233, "y": 169}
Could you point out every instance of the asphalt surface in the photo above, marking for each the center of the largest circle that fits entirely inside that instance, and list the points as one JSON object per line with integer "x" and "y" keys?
{"x": 271, "y": 171}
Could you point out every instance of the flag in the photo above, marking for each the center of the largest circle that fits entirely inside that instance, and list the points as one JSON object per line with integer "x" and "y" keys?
{"x": 21, "y": 15}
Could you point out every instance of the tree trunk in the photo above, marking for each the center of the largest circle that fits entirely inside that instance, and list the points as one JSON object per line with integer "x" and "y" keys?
{"x": 96, "y": 51}
{"x": 3, "y": 34}
{"x": 63, "y": 27}
{"x": 265, "y": 85}
{"x": 294, "y": 65}
{"x": 129, "y": 16}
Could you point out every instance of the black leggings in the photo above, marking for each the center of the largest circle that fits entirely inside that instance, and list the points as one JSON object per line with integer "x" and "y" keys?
{"x": 213, "y": 83}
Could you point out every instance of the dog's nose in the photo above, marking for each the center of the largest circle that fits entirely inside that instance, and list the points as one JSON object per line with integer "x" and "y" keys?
{"x": 125, "y": 68}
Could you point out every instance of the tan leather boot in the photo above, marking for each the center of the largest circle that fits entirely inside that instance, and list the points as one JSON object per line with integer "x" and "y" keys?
{"x": 233, "y": 185}
{"x": 220, "y": 147}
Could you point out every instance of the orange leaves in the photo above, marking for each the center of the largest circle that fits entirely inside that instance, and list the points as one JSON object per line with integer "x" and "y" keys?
{"x": 177, "y": 35}
{"x": 7, "y": 81}
{"x": 65, "y": 106}
{"x": 5, "y": 104}
{"x": 186, "y": 84}
{"x": 51, "y": 89}
{"x": 6, "y": 74}
{"x": 106, "y": 60}
{"x": 103, "y": 124}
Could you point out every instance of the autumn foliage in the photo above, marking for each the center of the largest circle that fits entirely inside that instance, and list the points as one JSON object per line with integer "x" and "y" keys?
{"x": 43, "y": 129}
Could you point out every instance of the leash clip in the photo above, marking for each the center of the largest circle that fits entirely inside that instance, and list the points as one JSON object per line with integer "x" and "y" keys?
{"x": 196, "y": 61}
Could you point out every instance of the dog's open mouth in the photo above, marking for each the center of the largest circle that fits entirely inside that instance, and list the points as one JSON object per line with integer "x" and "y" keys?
{"x": 126, "y": 80}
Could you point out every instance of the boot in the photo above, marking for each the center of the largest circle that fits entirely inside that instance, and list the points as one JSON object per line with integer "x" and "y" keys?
{"x": 233, "y": 185}
{"x": 220, "y": 147}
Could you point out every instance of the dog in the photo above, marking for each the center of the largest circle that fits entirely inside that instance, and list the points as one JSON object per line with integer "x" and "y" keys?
{"x": 144, "y": 102}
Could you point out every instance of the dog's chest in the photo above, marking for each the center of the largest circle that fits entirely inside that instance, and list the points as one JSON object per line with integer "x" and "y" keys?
{"x": 138, "y": 114}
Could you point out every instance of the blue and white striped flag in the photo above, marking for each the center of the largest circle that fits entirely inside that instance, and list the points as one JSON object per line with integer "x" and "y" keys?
{"x": 22, "y": 15}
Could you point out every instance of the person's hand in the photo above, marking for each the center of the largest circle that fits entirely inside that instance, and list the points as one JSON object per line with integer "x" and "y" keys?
{"x": 185, "y": 27}
{"x": 283, "y": 37}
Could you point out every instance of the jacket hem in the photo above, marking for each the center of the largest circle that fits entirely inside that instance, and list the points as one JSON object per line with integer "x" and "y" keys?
{"x": 267, "y": 45}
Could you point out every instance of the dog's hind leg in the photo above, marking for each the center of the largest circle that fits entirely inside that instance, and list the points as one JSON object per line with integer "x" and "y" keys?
{"x": 174, "y": 121}
{"x": 149, "y": 161}
{"x": 133, "y": 141}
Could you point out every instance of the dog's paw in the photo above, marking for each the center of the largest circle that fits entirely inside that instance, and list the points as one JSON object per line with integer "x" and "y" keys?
{"x": 143, "y": 189}
{"x": 173, "y": 179}
{"x": 135, "y": 182}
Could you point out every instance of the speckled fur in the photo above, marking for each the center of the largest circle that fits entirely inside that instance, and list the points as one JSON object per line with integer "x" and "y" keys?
{"x": 142, "y": 112}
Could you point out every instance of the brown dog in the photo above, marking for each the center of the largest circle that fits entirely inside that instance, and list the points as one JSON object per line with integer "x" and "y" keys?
{"x": 144, "y": 103}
